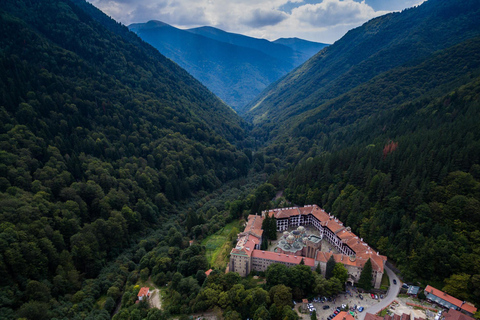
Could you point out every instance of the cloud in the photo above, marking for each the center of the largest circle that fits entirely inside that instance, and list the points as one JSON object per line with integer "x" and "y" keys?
{"x": 317, "y": 20}
{"x": 260, "y": 18}
{"x": 331, "y": 13}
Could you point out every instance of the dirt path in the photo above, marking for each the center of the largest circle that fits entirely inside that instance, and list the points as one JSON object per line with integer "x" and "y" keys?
{"x": 156, "y": 299}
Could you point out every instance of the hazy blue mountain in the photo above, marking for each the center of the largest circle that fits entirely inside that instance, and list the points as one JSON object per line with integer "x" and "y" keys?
{"x": 277, "y": 50}
{"x": 234, "y": 67}
{"x": 307, "y": 47}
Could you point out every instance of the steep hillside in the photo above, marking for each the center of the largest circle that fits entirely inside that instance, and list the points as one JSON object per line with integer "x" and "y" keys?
{"x": 235, "y": 67}
{"x": 300, "y": 45}
{"x": 100, "y": 136}
{"x": 379, "y": 45}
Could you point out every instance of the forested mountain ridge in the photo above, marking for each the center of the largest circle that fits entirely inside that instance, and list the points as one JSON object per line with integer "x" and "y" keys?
{"x": 100, "y": 135}
{"x": 377, "y": 46}
{"x": 235, "y": 67}
{"x": 396, "y": 156}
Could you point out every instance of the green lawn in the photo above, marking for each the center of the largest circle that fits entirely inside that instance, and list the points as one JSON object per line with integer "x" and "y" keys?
{"x": 218, "y": 246}
{"x": 385, "y": 282}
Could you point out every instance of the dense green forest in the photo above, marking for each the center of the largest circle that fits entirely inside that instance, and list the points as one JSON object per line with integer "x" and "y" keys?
{"x": 412, "y": 195}
{"x": 113, "y": 158}
{"x": 100, "y": 137}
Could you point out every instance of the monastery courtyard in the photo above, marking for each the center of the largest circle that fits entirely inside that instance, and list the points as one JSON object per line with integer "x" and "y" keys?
{"x": 310, "y": 230}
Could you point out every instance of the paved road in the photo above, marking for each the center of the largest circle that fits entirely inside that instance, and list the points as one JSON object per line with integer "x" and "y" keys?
{"x": 390, "y": 296}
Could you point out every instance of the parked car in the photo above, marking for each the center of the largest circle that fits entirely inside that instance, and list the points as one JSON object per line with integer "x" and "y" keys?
{"x": 381, "y": 296}
{"x": 335, "y": 312}
{"x": 338, "y": 309}
{"x": 360, "y": 309}
{"x": 360, "y": 296}
{"x": 376, "y": 297}
{"x": 372, "y": 295}
{"x": 394, "y": 281}
{"x": 326, "y": 307}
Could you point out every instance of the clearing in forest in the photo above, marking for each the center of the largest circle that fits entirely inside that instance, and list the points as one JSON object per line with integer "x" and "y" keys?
{"x": 219, "y": 244}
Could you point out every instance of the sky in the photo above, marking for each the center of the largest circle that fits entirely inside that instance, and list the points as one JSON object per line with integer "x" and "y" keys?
{"x": 315, "y": 20}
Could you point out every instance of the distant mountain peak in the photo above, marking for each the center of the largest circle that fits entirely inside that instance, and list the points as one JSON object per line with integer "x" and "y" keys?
{"x": 233, "y": 66}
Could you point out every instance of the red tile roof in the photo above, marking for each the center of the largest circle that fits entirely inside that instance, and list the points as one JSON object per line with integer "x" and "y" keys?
{"x": 207, "y": 273}
{"x": 442, "y": 295}
{"x": 467, "y": 306}
{"x": 281, "y": 257}
{"x": 370, "y": 316}
{"x": 143, "y": 292}
{"x": 453, "y": 314}
{"x": 405, "y": 316}
{"x": 343, "y": 315}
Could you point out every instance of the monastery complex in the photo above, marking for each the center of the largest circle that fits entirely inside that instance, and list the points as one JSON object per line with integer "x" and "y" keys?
{"x": 296, "y": 245}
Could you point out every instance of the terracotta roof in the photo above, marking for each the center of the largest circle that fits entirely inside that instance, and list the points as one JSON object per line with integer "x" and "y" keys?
{"x": 456, "y": 302}
{"x": 207, "y": 273}
{"x": 281, "y": 213}
{"x": 453, "y": 314}
{"x": 343, "y": 315}
{"x": 254, "y": 225}
{"x": 387, "y": 317}
{"x": 396, "y": 317}
{"x": 334, "y": 225}
{"x": 143, "y": 292}
{"x": 405, "y": 316}
{"x": 281, "y": 257}
{"x": 370, "y": 316}
{"x": 467, "y": 306}
{"x": 377, "y": 260}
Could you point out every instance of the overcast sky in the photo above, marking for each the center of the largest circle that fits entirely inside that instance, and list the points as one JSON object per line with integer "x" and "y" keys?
{"x": 316, "y": 20}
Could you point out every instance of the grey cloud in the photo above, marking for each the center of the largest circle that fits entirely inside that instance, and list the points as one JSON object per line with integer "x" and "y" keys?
{"x": 261, "y": 18}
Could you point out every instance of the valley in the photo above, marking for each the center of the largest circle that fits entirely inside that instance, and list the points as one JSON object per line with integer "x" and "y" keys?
{"x": 122, "y": 169}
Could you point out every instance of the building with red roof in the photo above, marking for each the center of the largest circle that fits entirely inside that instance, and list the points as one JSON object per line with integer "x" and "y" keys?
{"x": 404, "y": 316}
{"x": 144, "y": 293}
{"x": 343, "y": 315}
{"x": 207, "y": 273}
{"x": 353, "y": 251}
{"x": 453, "y": 314}
{"x": 447, "y": 301}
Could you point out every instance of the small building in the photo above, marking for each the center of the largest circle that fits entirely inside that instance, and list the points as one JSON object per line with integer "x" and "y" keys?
{"x": 144, "y": 293}
{"x": 413, "y": 291}
{"x": 343, "y": 315}
{"x": 453, "y": 314}
{"x": 304, "y": 305}
{"x": 447, "y": 301}
{"x": 207, "y": 273}
{"x": 404, "y": 316}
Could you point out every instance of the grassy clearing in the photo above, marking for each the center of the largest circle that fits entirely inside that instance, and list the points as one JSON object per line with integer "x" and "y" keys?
{"x": 385, "y": 282}
{"x": 219, "y": 246}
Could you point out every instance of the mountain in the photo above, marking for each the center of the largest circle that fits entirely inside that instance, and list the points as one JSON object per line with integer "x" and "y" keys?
{"x": 384, "y": 43}
{"x": 308, "y": 47}
{"x": 101, "y": 136}
{"x": 278, "y": 50}
{"x": 381, "y": 129}
{"x": 235, "y": 67}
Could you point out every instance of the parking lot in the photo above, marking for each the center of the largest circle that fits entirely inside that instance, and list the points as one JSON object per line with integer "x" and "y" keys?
{"x": 349, "y": 300}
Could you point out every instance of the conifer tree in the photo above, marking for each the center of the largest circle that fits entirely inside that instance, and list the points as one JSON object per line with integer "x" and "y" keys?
{"x": 330, "y": 266}
{"x": 365, "y": 281}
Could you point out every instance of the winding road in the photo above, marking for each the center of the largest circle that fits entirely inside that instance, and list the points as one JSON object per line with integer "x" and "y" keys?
{"x": 389, "y": 297}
